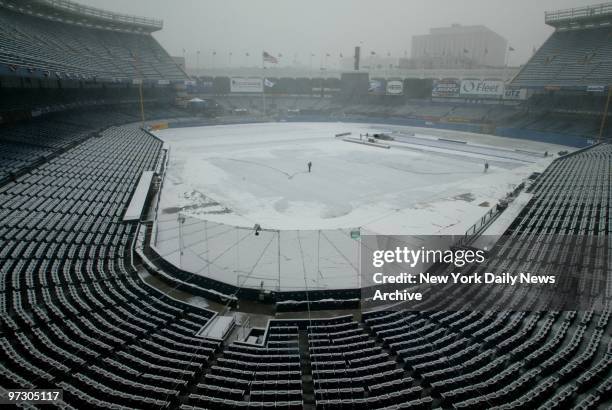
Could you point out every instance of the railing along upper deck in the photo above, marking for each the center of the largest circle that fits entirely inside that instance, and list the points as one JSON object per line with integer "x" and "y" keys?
{"x": 97, "y": 13}
{"x": 579, "y": 13}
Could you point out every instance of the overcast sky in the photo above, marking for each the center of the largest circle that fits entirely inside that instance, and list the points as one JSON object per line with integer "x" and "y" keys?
{"x": 300, "y": 27}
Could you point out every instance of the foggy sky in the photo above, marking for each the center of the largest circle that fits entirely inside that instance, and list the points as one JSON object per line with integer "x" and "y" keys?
{"x": 297, "y": 28}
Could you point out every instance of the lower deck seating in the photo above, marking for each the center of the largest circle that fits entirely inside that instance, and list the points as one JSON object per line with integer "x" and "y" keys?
{"x": 252, "y": 376}
{"x": 28, "y": 144}
{"x": 74, "y": 314}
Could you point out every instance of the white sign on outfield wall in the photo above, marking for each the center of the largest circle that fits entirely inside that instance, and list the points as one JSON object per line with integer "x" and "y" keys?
{"x": 395, "y": 87}
{"x": 482, "y": 88}
{"x": 515, "y": 94}
{"x": 246, "y": 85}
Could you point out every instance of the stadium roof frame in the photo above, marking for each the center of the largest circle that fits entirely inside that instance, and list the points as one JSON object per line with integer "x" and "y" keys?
{"x": 70, "y": 12}
{"x": 580, "y": 17}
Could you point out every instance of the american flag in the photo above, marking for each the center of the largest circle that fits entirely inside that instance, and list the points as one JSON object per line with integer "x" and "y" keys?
{"x": 269, "y": 58}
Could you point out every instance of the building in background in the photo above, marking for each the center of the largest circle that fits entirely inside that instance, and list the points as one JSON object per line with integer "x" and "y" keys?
{"x": 457, "y": 46}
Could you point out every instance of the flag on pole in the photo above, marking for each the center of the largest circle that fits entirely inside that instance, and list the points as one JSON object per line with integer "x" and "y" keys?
{"x": 268, "y": 83}
{"x": 511, "y": 48}
{"x": 465, "y": 51}
{"x": 269, "y": 58}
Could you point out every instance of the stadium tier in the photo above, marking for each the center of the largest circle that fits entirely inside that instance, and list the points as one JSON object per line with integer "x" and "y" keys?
{"x": 76, "y": 315}
{"x": 74, "y": 290}
{"x": 37, "y": 45}
{"x": 27, "y": 144}
{"x": 577, "y": 54}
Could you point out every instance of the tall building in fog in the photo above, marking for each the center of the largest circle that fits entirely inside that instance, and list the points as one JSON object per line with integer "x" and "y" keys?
{"x": 457, "y": 45}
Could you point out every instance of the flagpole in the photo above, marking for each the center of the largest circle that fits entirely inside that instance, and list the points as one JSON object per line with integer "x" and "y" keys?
{"x": 263, "y": 83}
{"x": 507, "y": 62}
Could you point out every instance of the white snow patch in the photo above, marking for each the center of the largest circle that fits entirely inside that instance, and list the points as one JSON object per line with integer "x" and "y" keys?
{"x": 242, "y": 175}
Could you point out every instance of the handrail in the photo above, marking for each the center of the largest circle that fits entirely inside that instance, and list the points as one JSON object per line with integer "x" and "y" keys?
{"x": 579, "y": 12}
{"x": 71, "y": 6}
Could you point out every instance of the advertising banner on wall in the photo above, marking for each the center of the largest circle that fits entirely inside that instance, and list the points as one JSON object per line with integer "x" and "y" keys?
{"x": 395, "y": 87}
{"x": 246, "y": 85}
{"x": 596, "y": 88}
{"x": 482, "y": 88}
{"x": 520, "y": 94}
{"x": 207, "y": 87}
{"x": 446, "y": 88}
{"x": 377, "y": 87}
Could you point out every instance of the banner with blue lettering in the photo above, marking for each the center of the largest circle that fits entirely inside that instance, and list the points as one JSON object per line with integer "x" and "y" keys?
{"x": 482, "y": 88}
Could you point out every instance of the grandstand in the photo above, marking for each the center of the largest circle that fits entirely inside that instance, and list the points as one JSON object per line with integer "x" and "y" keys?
{"x": 577, "y": 54}
{"x": 88, "y": 308}
{"x": 107, "y": 47}
{"x": 571, "y": 73}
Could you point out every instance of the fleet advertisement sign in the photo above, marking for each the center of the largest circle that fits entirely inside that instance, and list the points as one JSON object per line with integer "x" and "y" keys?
{"x": 446, "y": 88}
{"x": 246, "y": 85}
{"x": 482, "y": 88}
{"x": 395, "y": 87}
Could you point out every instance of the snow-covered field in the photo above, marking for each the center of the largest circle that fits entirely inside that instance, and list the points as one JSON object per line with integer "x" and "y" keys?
{"x": 428, "y": 182}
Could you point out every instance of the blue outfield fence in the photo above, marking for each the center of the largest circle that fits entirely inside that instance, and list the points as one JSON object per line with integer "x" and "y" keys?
{"x": 518, "y": 133}
{"x": 549, "y": 137}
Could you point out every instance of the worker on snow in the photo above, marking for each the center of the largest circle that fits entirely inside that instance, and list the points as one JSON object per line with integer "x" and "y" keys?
{"x": 486, "y": 167}
{"x": 309, "y": 166}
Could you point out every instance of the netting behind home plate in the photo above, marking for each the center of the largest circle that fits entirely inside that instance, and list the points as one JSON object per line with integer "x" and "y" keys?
{"x": 273, "y": 259}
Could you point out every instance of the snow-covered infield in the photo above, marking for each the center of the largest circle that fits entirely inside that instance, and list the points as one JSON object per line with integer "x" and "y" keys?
{"x": 223, "y": 180}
